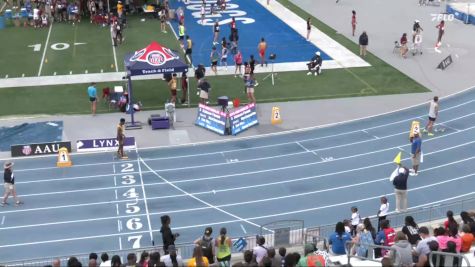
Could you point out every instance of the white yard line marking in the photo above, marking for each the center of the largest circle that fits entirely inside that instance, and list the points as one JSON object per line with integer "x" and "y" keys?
{"x": 114, "y": 53}
{"x": 196, "y": 198}
{"x": 45, "y": 47}
{"x": 144, "y": 195}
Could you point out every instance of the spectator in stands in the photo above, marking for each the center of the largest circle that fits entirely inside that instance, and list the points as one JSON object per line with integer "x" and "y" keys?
{"x": 422, "y": 249}
{"x": 131, "y": 260}
{"x": 451, "y": 248}
{"x": 385, "y": 237}
{"x": 403, "y": 250}
{"x": 450, "y": 220}
{"x": 383, "y": 211}
{"x": 362, "y": 241}
{"x": 411, "y": 230}
{"x": 282, "y": 252}
{"x": 115, "y": 261}
{"x": 400, "y": 188}
{"x": 466, "y": 219}
{"x": 223, "y": 245}
{"x": 172, "y": 259}
{"x": 154, "y": 259}
{"x": 105, "y": 260}
{"x": 206, "y": 244}
{"x": 260, "y": 251}
{"x": 338, "y": 239}
{"x": 290, "y": 260}
{"x": 56, "y": 263}
{"x": 73, "y": 262}
{"x": 266, "y": 262}
{"x": 247, "y": 255}
{"x": 144, "y": 259}
{"x": 442, "y": 238}
{"x": 369, "y": 227}
{"x": 92, "y": 263}
{"x": 453, "y": 234}
{"x": 198, "y": 260}
{"x": 275, "y": 259}
{"x": 467, "y": 238}
{"x": 386, "y": 262}
{"x": 93, "y": 256}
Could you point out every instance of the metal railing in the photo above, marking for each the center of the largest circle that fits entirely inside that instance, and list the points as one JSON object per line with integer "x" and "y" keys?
{"x": 439, "y": 258}
{"x": 371, "y": 255}
{"x": 298, "y": 235}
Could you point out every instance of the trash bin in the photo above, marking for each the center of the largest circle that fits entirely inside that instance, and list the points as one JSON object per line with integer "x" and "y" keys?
{"x": 2, "y": 22}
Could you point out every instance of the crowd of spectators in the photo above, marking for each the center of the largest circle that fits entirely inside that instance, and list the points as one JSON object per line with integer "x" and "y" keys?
{"x": 410, "y": 246}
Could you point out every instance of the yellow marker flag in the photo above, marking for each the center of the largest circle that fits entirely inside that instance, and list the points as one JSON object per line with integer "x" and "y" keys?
{"x": 46, "y": 60}
{"x": 276, "y": 116}
{"x": 112, "y": 66}
{"x": 397, "y": 159}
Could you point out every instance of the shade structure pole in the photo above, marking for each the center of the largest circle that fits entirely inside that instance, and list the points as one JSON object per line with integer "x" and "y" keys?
{"x": 131, "y": 105}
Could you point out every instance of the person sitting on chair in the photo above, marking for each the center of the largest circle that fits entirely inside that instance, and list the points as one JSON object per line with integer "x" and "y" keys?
{"x": 315, "y": 64}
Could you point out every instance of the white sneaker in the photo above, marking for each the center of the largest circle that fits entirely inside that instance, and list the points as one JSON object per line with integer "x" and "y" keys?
{"x": 309, "y": 73}
{"x": 413, "y": 174}
{"x": 316, "y": 73}
{"x": 411, "y": 170}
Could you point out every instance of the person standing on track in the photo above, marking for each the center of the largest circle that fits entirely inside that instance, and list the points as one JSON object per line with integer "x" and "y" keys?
{"x": 400, "y": 188}
{"x": 416, "y": 151}
{"x": 262, "y": 47}
{"x": 9, "y": 184}
{"x": 121, "y": 138}
{"x": 433, "y": 112}
{"x": 215, "y": 32}
{"x": 441, "y": 27}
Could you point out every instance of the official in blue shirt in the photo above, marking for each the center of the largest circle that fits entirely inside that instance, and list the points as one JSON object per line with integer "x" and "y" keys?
{"x": 416, "y": 150}
{"x": 92, "y": 93}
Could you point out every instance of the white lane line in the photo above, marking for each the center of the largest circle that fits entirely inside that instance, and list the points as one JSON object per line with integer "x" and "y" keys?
{"x": 117, "y": 208}
{"x": 3, "y": 220}
{"x": 116, "y": 197}
{"x": 144, "y": 196}
{"x": 245, "y": 138}
{"x": 45, "y": 47}
{"x": 366, "y": 132}
{"x": 243, "y": 229}
{"x": 196, "y": 198}
{"x": 254, "y": 201}
{"x": 268, "y": 170}
{"x": 306, "y": 149}
{"x": 120, "y": 243}
{"x": 118, "y": 225}
{"x": 446, "y": 126}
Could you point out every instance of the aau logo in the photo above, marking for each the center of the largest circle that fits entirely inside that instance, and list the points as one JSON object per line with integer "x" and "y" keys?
{"x": 26, "y": 150}
{"x": 156, "y": 58}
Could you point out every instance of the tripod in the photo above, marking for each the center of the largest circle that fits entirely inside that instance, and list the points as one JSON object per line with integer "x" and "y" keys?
{"x": 271, "y": 74}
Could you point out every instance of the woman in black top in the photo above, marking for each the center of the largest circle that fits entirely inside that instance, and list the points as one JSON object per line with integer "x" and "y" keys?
{"x": 168, "y": 237}
{"x": 411, "y": 230}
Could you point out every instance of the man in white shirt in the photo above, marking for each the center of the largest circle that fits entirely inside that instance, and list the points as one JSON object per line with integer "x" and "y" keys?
{"x": 433, "y": 112}
{"x": 105, "y": 260}
{"x": 168, "y": 259}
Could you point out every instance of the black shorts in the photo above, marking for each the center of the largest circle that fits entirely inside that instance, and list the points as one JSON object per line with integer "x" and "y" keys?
{"x": 214, "y": 63}
{"x": 181, "y": 38}
{"x": 92, "y": 99}
{"x": 431, "y": 119}
{"x": 188, "y": 51}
